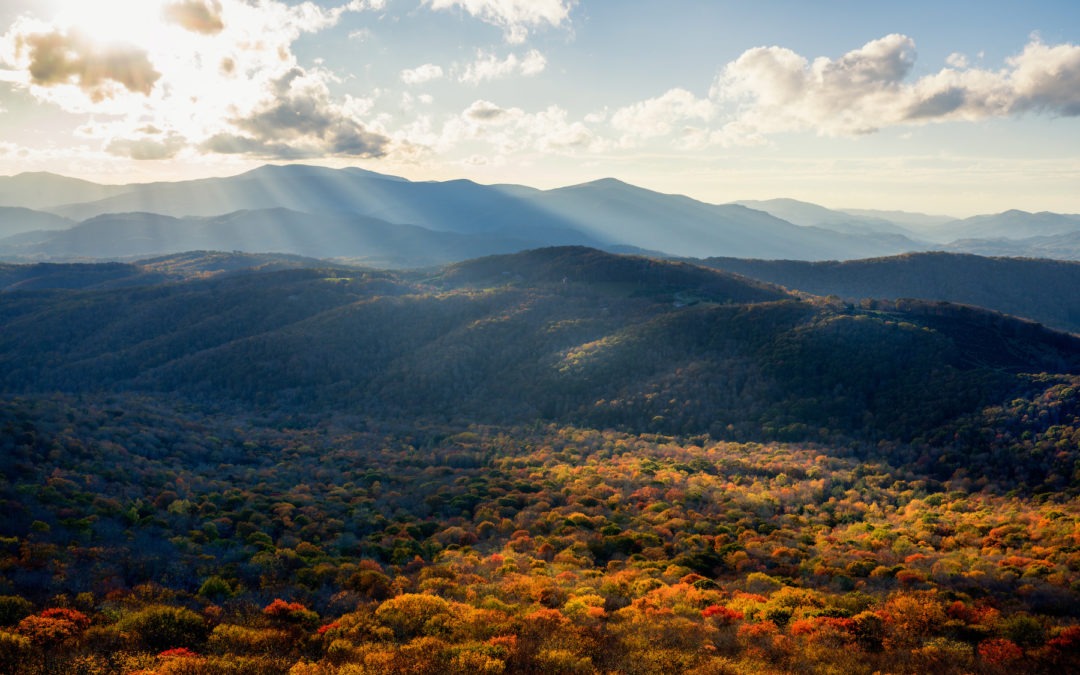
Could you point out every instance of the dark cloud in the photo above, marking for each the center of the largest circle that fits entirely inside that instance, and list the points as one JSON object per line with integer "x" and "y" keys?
{"x": 299, "y": 121}
{"x": 938, "y": 105}
{"x": 198, "y": 16}
{"x": 70, "y": 58}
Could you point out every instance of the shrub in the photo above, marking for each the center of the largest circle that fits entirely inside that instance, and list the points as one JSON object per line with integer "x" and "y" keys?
{"x": 290, "y": 612}
{"x": 722, "y": 615}
{"x": 45, "y": 630}
{"x": 215, "y": 588}
{"x": 160, "y": 628}
{"x": 13, "y": 651}
{"x": 233, "y": 639}
{"x": 408, "y": 615}
{"x": 14, "y": 609}
{"x": 999, "y": 651}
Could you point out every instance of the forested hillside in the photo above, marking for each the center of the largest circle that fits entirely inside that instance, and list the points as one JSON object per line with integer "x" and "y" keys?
{"x": 1038, "y": 289}
{"x": 559, "y": 461}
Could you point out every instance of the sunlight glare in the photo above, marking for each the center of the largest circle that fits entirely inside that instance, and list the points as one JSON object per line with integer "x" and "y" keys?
{"x": 136, "y": 22}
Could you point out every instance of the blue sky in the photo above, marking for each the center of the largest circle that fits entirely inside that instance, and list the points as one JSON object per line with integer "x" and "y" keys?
{"x": 959, "y": 108}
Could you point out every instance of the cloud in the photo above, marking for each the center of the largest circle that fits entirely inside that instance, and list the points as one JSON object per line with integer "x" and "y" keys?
{"x": 489, "y": 67}
{"x": 60, "y": 57}
{"x": 661, "y": 115}
{"x": 775, "y": 90}
{"x": 199, "y": 16}
{"x": 512, "y": 130}
{"x": 850, "y": 95}
{"x": 218, "y": 75}
{"x": 148, "y": 146}
{"x": 299, "y": 119}
{"x": 421, "y": 74}
{"x": 483, "y": 111}
{"x": 1046, "y": 79}
{"x": 515, "y": 17}
{"x": 957, "y": 60}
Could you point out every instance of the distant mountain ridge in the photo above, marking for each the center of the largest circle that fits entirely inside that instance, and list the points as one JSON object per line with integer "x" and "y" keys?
{"x": 605, "y": 213}
{"x": 16, "y": 220}
{"x": 812, "y": 215}
{"x": 367, "y": 240}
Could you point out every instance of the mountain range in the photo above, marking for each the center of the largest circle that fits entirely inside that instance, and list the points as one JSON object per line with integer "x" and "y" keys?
{"x": 389, "y": 221}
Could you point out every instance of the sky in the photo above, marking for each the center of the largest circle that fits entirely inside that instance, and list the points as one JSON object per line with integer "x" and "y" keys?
{"x": 951, "y": 108}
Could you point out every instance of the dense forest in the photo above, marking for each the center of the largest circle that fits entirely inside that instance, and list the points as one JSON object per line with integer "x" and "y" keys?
{"x": 1038, "y": 289}
{"x": 561, "y": 461}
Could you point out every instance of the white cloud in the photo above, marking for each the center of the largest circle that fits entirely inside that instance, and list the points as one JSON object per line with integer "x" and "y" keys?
{"x": 421, "y": 74}
{"x": 957, "y": 60}
{"x": 661, "y": 115}
{"x": 784, "y": 92}
{"x": 776, "y": 90}
{"x": 487, "y": 66}
{"x": 513, "y": 130}
{"x": 515, "y": 17}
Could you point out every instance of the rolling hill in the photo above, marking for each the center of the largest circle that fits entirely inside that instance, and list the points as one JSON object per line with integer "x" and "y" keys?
{"x": 1040, "y": 290}
{"x": 568, "y": 334}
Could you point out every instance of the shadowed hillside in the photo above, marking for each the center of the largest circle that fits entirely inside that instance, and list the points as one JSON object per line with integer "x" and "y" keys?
{"x": 569, "y": 334}
{"x": 1040, "y": 290}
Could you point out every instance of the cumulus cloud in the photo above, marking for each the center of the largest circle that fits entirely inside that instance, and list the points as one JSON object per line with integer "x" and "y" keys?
{"x": 1046, "y": 79}
{"x": 487, "y": 66}
{"x": 199, "y": 16}
{"x": 299, "y": 119}
{"x": 515, "y": 17}
{"x": 54, "y": 57}
{"x": 778, "y": 90}
{"x": 853, "y": 94}
{"x": 484, "y": 111}
{"x": 661, "y": 115}
{"x": 421, "y": 74}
